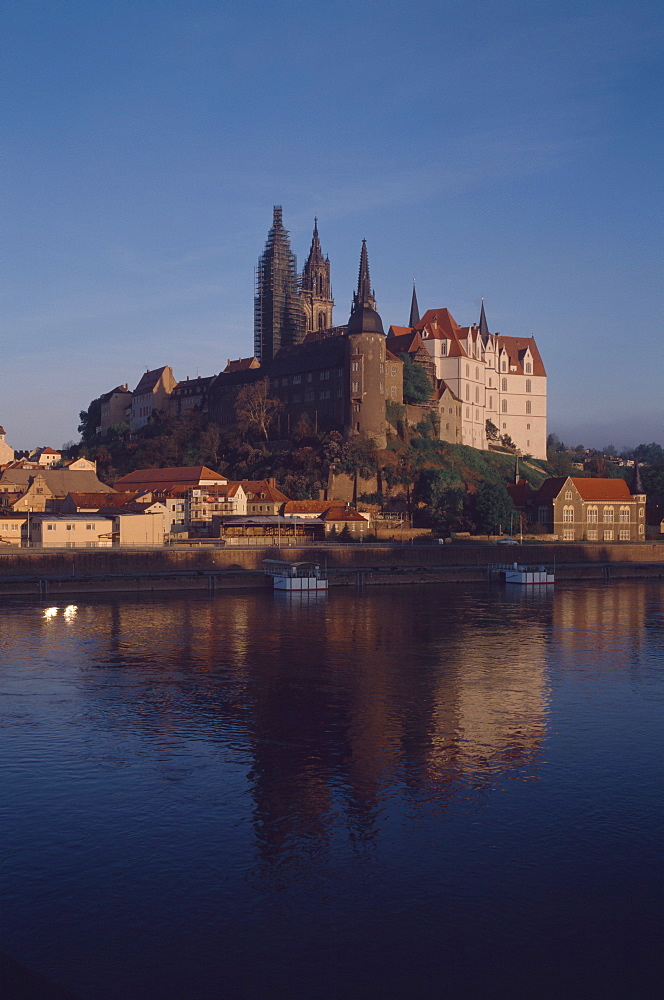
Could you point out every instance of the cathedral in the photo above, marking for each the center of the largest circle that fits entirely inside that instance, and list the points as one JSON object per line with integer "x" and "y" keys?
{"x": 485, "y": 386}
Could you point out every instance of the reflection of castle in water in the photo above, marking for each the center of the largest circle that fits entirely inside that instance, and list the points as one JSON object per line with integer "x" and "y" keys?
{"x": 335, "y": 707}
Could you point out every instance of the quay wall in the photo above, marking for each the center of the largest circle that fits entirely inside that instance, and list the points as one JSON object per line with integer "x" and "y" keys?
{"x": 48, "y": 572}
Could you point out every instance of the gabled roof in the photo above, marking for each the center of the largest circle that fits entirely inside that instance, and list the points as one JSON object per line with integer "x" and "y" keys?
{"x": 308, "y": 506}
{"x": 438, "y": 323}
{"x": 198, "y": 384}
{"x": 341, "y": 513}
{"x": 401, "y": 340}
{"x": 149, "y": 380}
{"x": 516, "y": 348}
{"x": 254, "y": 487}
{"x": 59, "y": 481}
{"x": 189, "y": 475}
{"x": 588, "y": 489}
{"x": 95, "y": 501}
{"x": 442, "y": 388}
{"x": 242, "y": 364}
{"x": 521, "y": 493}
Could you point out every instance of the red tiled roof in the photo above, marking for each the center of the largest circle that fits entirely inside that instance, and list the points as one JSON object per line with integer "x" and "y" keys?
{"x": 97, "y": 500}
{"x": 603, "y": 489}
{"x": 439, "y": 323}
{"x": 516, "y": 348}
{"x": 342, "y": 514}
{"x": 308, "y": 506}
{"x": 178, "y": 476}
{"x": 254, "y": 487}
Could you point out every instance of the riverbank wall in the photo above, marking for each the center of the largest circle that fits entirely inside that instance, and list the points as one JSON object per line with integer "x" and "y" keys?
{"x": 44, "y": 573}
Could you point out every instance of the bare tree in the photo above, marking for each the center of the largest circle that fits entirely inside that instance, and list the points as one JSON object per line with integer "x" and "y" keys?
{"x": 255, "y": 408}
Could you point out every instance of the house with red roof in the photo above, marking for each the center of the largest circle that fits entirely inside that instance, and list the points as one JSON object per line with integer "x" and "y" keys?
{"x": 591, "y": 510}
{"x": 495, "y": 377}
{"x": 151, "y": 396}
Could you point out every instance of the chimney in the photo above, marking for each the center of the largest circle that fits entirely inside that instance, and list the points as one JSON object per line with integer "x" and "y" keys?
{"x": 272, "y": 482}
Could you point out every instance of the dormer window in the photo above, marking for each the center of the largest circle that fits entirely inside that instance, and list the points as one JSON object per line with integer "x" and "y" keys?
{"x": 503, "y": 366}
{"x": 529, "y": 368}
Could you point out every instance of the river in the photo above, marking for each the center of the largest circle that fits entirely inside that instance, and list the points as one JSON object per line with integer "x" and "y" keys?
{"x": 416, "y": 791}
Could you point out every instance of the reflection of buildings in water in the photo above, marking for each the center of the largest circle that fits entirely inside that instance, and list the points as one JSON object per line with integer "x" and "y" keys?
{"x": 602, "y": 625}
{"x": 491, "y": 704}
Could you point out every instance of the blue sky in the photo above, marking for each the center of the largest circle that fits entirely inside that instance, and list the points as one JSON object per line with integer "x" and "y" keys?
{"x": 510, "y": 150}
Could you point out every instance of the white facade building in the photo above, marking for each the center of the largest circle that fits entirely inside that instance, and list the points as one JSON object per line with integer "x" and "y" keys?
{"x": 497, "y": 378}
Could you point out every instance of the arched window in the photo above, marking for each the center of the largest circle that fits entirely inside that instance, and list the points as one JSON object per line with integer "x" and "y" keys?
{"x": 568, "y": 514}
{"x": 467, "y": 371}
{"x": 624, "y": 514}
{"x": 504, "y": 406}
{"x": 608, "y": 514}
{"x": 592, "y": 515}
{"x": 503, "y": 367}
{"x": 477, "y": 393}
{"x": 467, "y": 392}
{"x": 529, "y": 369}
{"x": 528, "y": 406}
{"x": 529, "y": 385}
{"x": 504, "y": 385}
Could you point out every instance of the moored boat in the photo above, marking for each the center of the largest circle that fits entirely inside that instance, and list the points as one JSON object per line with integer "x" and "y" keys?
{"x": 295, "y": 576}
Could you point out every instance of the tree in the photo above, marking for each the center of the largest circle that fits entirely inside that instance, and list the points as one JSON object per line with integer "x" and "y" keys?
{"x": 416, "y": 385}
{"x": 493, "y": 507}
{"x": 491, "y": 431}
{"x": 506, "y": 441}
{"x": 90, "y": 420}
{"x": 255, "y": 408}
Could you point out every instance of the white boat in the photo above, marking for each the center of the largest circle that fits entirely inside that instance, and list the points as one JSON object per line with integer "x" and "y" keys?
{"x": 527, "y": 575}
{"x": 295, "y": 576}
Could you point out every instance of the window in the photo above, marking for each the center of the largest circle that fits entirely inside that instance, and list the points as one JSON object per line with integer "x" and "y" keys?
{"x": 477, "y": 393}
{"x": 528, "y": 406}
{"x": 444, "y": 348}
{"x": 308, "y": 396}
{"x": 355, "y": 386}
{"x": 467, "y": 412}
{"x": 382, "y": 387}
{"x": 394, "y": 371}
{"x": 568, "y": 534}
{"x": 296, "y": 397}
{"x": 592, "y": 534}
{"x": 504, "y": 385}
{"x": 340, "y": 392}
{"x": 503, "y": 366}
{"x": 624, "y": 534}
{"x": 640, "y": 529}
{"x": 50, "y": 527}
{"x": 355, "y": 366}
{"x": 393, "y": 391}
{"x": 382, "y": 368}
{"x": 527, "y": 427}
{"x": 529, "y": 369}
{"x": 467, "y": 392}
{"x": 568, "y": 513}
{"x": 624, "y": 515}
{"x": 89, "y": 527}
{"x": 529, "y": 385}
{"x": 70, "y": 527}
{"x": 490, "y": 383}
{"x": 608, "y": 535}
{"x": 568, "y": 495}
{"x": 504, "y": 426}
{"x": 640, "y": 511}
{"x": 608, "y": 514}
{"x": 490, "y": 402}
{"x": 592, "y": 515}
{"x": 467, "y": 371}
{"x": 297, "y": 379}
{"x": 503, "y": 406}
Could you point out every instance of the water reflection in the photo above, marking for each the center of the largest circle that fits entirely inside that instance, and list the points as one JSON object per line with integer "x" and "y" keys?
{"x": 336, "y": 708}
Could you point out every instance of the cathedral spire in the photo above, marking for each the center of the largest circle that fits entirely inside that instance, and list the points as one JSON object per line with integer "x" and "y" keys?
{"x": 414, "y": 309}
{"x": 315, "y": 288}
{"x": 364, "y": 294}
{"x": 363, "y": 316}
{"x": 484, "y": 326}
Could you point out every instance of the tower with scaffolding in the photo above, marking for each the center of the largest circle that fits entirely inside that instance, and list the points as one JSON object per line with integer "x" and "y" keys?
{"x": 279, "y": 315}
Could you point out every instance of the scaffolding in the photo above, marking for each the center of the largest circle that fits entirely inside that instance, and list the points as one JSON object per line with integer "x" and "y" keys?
{"x": 279, "y": 318}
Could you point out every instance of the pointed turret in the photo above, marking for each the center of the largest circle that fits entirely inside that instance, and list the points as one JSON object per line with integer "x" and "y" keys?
{"x": 363, "y": 316}
{"x": 414, "y": 309}
{"x": 484, "y": 326}
{"x": 315, "y": 286}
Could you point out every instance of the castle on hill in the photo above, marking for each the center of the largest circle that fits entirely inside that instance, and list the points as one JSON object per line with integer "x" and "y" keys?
{"x": 485, "y": 386}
